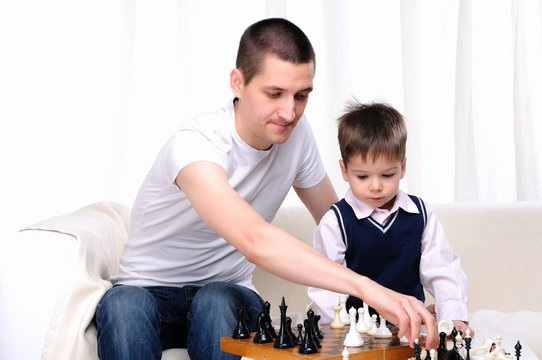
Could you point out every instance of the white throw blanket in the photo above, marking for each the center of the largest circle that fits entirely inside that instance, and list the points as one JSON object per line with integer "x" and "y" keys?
{"x": 101, "y": 230}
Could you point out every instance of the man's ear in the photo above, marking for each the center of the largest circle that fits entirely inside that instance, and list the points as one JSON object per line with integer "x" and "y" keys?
{"x": 237, "y": 80}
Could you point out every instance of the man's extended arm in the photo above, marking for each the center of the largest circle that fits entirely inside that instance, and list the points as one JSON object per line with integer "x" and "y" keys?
{"x": 280, "y": 253}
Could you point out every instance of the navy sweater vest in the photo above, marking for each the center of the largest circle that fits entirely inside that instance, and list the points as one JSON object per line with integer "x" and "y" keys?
{"x": 389, "y": 254}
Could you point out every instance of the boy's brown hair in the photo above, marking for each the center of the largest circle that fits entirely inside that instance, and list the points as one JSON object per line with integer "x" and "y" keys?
{"x": 376, "y": 129}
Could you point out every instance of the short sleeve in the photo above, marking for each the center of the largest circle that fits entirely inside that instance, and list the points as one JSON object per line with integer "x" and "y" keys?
{"x": 188, "y": 146}
{"x": 312, "y": 169}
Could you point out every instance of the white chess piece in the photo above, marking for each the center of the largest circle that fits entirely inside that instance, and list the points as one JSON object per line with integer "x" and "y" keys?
{"x": 337, "y": 323}
{"x": 445, "y": 326}
{"x": 367, "y": 315}
{"x": 433, "y": 354}
{"x": 373, "y": 328}
{"x": 383, "y": 331}
{"x": 346, "y": 354}
{"x": 484, "y": 349}
{"x": 360, "y": 325}
{"x": 353, "y": 337}
{"x": 345, "y": 318}
{"x": 404, "y": 340}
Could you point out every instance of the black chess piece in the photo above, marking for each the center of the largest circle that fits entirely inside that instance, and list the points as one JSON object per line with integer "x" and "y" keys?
{"x": 317, "y": 327}
{"x": 268, "y": 323}
{"x": 518, "y": 350}
{"x": 468, "y": 341}
{"x": 283, "y": 339}
{"x": 417, "y": 350}
{"x": 289, "y": 330}
{"x": 241, "y": 330}
{"x": 262, "y": 335}
{"x": 454, "y": 334}
{"x": 308, "y": 346}
{"x": 442, "y": 351}
{"x": 300, "y": 334}
{"x": 310, "y": 317}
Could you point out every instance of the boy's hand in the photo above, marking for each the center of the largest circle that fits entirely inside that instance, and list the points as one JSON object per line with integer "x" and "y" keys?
{"x": 462, "y": 326}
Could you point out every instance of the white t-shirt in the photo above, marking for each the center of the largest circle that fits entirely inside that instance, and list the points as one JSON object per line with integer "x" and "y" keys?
{"x": 169, "y": 244}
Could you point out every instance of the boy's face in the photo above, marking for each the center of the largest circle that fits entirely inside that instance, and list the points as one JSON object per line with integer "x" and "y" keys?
{"x": 375, "y": 183}
{"x": 270, "y": 106}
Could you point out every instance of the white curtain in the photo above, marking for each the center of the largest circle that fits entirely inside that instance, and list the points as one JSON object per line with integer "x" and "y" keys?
{"x": 89, "y": 90}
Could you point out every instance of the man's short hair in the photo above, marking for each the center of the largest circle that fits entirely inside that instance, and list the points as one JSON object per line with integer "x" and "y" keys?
{"x": 273, "y": 36}
{"x": 376, "y": 129}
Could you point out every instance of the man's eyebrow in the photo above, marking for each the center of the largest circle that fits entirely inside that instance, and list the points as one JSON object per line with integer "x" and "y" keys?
{"x": 278, "y": 88}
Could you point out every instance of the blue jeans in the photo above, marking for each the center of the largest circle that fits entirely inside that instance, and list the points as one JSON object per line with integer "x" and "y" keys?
{"x": 138, "y": 323}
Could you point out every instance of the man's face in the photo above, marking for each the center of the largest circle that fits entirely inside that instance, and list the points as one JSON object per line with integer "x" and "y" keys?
{"x": 272, "y": 103}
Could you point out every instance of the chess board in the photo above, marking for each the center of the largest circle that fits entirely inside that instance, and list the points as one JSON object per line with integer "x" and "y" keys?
{"x": 332, "y": 348}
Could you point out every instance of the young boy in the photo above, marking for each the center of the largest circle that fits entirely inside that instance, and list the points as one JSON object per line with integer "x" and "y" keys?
{"x": 379, "y": 231}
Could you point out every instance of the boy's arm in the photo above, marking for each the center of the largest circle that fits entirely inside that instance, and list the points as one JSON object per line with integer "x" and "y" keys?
{"x": 278, "y": 252}
{"x": 441, "y": 273}
{"x": 328, "y": 241}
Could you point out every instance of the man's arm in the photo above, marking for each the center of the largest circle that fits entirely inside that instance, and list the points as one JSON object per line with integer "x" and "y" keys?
{"x": 280, "y": 253}
{"x": 318, "y": 199}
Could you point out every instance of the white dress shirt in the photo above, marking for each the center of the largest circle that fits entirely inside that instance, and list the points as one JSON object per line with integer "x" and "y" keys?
{"x": 440, "y": 268}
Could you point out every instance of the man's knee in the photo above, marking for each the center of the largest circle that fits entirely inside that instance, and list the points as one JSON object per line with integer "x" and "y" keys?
{"x": 125, "y": 304}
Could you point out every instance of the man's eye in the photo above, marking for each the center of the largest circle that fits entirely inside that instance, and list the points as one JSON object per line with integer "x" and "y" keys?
{"x": 301, "y": 97}
{"x": 273, "y": 95}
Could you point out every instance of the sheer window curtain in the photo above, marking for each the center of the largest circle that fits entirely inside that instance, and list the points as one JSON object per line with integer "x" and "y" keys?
{"x": 89, "y": 90}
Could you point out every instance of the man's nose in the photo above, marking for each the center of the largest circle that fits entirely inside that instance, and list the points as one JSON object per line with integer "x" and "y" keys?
{"x": 287, "y": 109}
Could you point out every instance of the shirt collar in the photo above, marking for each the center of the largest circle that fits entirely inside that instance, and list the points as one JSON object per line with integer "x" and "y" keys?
{"x": 362, "y": 210}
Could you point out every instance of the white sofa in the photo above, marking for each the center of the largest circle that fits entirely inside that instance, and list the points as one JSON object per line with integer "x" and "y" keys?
{"x": 53, "y": 273}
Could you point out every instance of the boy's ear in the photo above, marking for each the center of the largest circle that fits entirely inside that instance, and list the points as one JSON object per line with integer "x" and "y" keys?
{"x": 237, "y": 80}
{"x": 403, "y": 167}
{"x": 343, "y": 169}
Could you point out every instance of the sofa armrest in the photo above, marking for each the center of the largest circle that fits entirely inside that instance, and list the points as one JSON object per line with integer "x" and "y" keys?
{"x": 83, "y": 248}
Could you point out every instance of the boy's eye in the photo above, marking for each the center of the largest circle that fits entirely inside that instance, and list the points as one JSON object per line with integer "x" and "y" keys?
{"x": 362, "y": 177}
{"x": 387, "y": 175}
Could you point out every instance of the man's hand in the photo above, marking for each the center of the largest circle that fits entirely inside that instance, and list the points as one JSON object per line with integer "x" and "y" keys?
{"x": 406, "y": 312}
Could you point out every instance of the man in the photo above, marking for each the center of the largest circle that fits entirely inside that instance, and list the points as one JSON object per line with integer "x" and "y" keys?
{"x": 202, "y": 217}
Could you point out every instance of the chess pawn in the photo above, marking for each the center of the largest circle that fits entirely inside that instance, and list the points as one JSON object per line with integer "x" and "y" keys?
{"x": 337, "y": 323}
{"x": 404, "y": 340}
{"x": 345, "y": 353}
{"x": 367, "y": 316}
{"x": 373, "y": 328}
{"x": 299, "y": 334}
{"x": 353, "y": 337}
{"x": 361, "y": 327}
{"x": 241, "y": 330}
{"x": 383, "y": 331}
{"x": 433, "y": 354}
{"x": 345, "y": 318}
